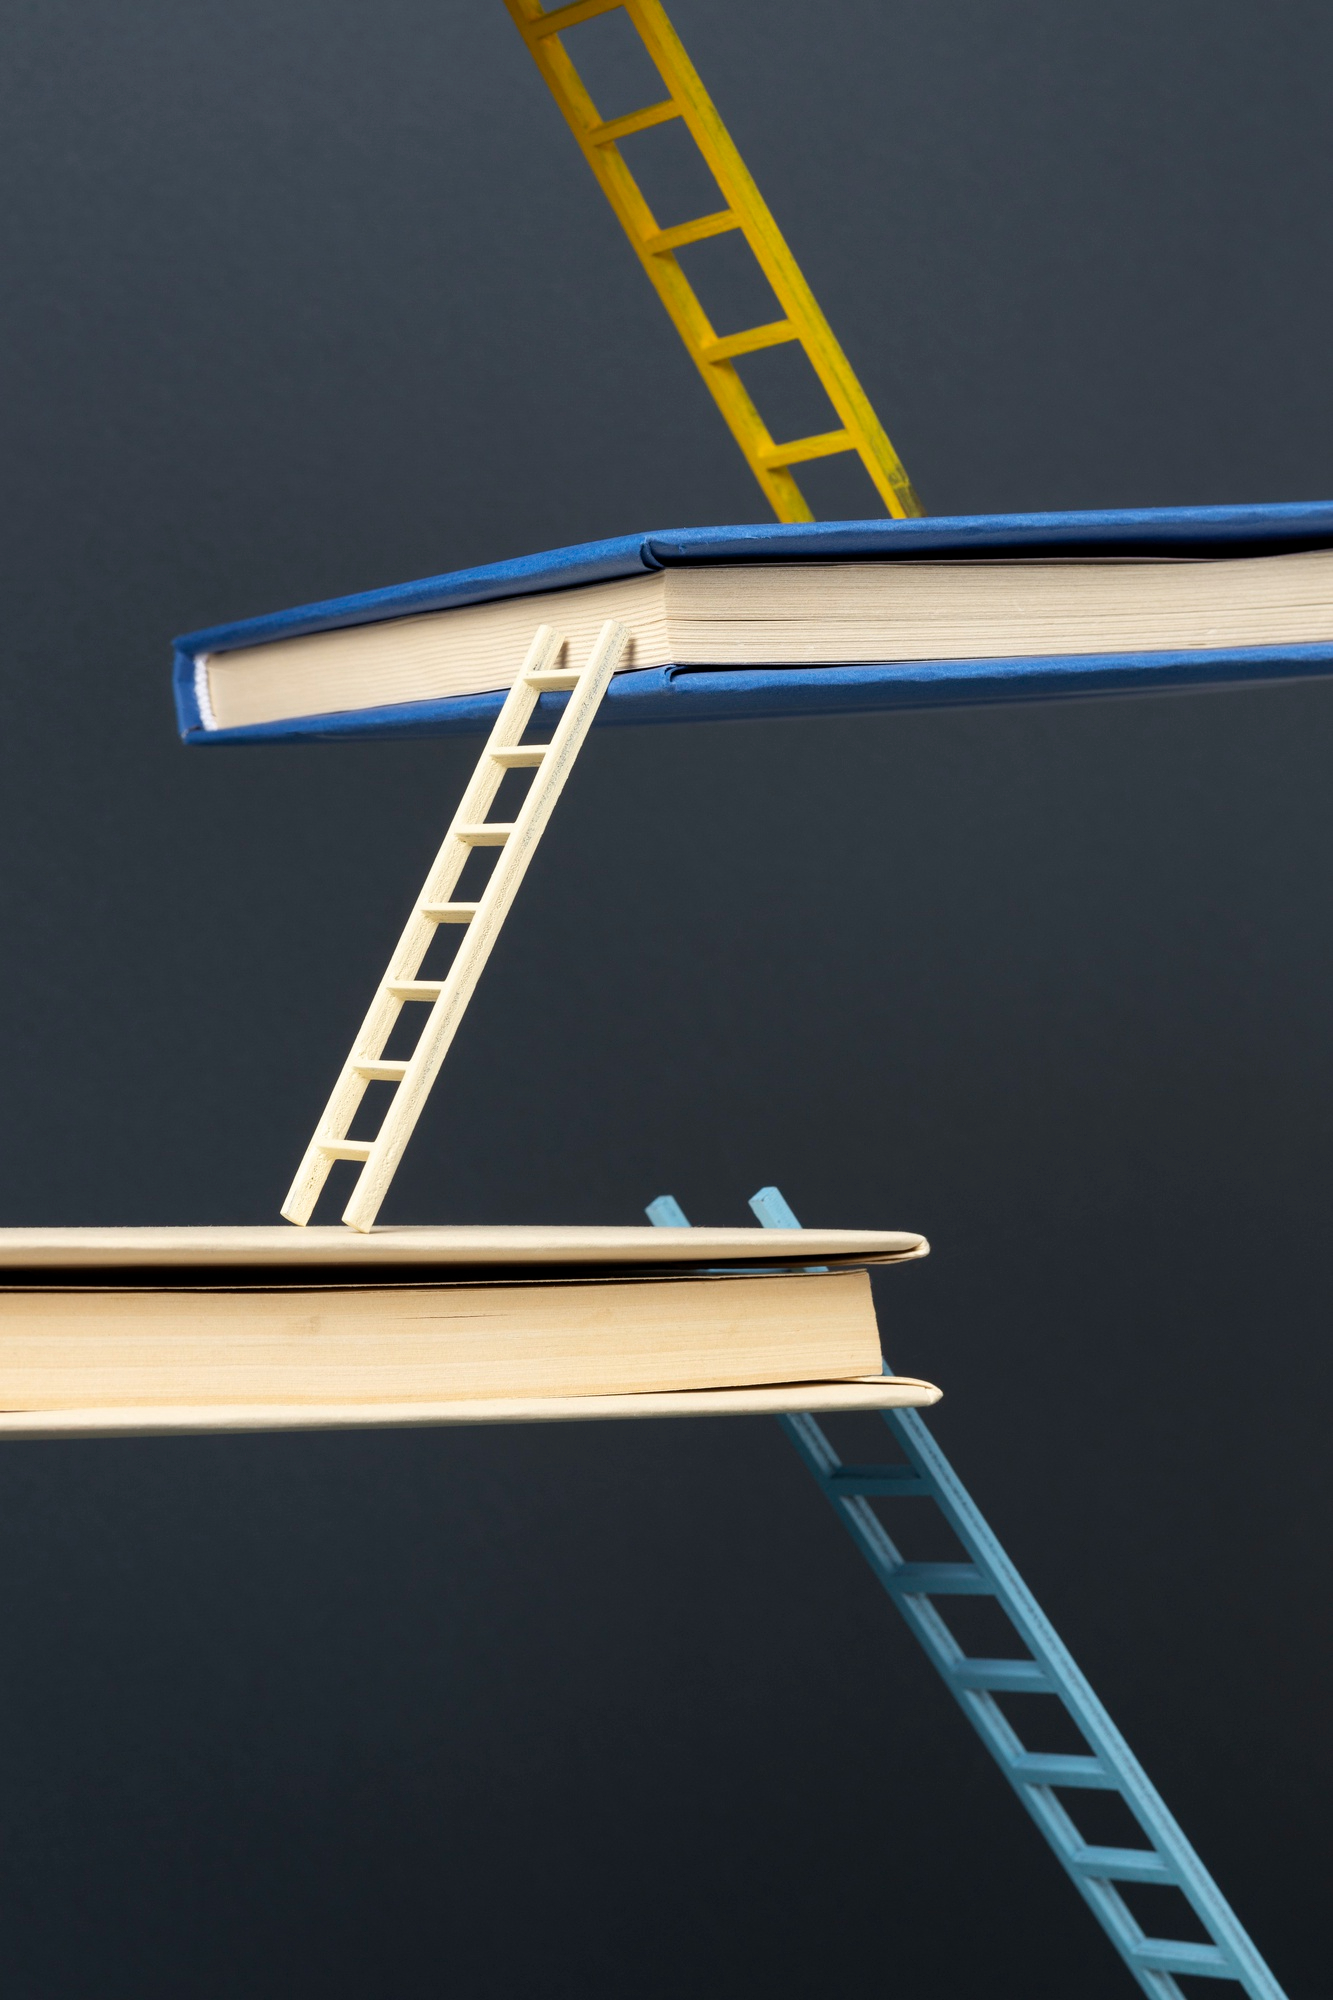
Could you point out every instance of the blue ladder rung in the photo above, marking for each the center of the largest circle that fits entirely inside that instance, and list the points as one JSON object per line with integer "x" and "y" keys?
{"x": 1118, "y": 1864}
{"x": 1002, "y": 1676}
{"x": 881, "y": 1479}
{"x": 938, "y": 1580}
{"x": 1165, "y": 1955}
{"x": 1038, "y": 1767}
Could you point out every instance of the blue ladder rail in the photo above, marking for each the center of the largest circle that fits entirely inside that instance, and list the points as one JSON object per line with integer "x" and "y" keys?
{"x": 1043, "y": 1666}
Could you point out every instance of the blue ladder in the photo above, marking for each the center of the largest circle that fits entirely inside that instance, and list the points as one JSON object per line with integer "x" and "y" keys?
{"x": 1044, "y": 1667}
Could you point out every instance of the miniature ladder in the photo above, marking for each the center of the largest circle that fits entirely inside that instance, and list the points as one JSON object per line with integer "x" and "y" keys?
{"x": 1043, "y": 1666}
{"x": 448, "y": 997}
{"x": 742, "y": 208}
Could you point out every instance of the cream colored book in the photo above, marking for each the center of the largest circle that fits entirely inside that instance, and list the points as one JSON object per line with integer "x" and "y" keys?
{"x": 201, "y": 1343}
{"x": 786, "y": 614}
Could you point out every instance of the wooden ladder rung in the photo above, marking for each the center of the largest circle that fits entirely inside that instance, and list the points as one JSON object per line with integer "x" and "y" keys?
{"x": 345, "y": 1149}
{"x": 484, "y": 833}
{"x": 662, "y": 241}
{"x": 554, "y": 678}
{"x": 773, "y": 334}
{"x": 448, "y": 913}
{"x": 383, "y": 1070}
{"x": 518, "y": 756}
{"x": 612, "y": 129}
{"x": 800, "y": 449}
{"x": 554, "y": 20}
{"x": 414, "y": 989}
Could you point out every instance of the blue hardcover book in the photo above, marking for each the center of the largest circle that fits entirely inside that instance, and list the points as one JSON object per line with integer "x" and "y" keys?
{"x": 829, "y": 618}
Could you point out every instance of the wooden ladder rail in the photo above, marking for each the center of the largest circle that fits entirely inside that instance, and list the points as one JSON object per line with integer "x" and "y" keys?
{"x": 743, "y": 208}
{"x": 448, "y": 997}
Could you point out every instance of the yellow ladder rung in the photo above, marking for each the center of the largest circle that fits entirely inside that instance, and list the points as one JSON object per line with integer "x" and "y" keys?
{"x": 681, "y": 233}
{"x": 755, "y": 337}
{"x": 345, "y": 1149}
{"x": 382, "y": 1071}
{"x": 613, "y": 129}
{"x": 800, "y": 449}
{"x": 555, "y": 21}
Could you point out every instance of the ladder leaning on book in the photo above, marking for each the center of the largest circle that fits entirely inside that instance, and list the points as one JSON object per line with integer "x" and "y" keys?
{"x": 742, "y": 211}
{"x": 413, "y": 1076}
{"x": 1042, "y": 1665}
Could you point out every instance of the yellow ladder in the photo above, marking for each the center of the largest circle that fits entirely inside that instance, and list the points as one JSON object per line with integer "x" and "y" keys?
{"x": 743, "y": 208}
{"x": 447, "y": 998}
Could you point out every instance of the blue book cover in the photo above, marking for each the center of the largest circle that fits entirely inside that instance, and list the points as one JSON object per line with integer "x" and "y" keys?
{"x": 688, "y": 693}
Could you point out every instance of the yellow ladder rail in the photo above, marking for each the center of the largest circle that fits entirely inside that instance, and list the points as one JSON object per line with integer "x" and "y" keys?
{"x": 743, "y": 209}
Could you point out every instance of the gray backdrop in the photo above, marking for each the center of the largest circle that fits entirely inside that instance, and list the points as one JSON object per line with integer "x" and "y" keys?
{"x": 301, "y": 300}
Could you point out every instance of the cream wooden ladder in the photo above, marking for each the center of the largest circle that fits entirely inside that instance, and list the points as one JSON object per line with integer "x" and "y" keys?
{"x": 550, "y": 763}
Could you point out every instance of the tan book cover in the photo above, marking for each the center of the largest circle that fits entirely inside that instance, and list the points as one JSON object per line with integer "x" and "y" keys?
{"x": 448, "y": 1248}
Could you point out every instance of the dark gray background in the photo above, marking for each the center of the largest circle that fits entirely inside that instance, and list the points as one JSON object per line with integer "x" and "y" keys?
{"x": 300, "y": 300}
